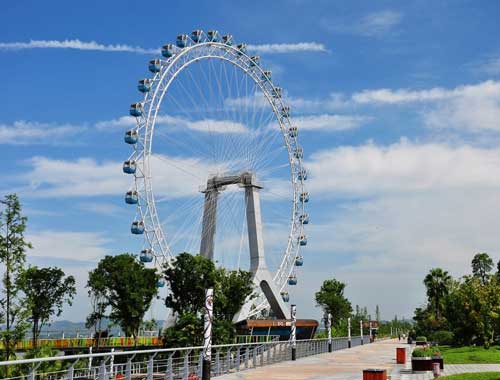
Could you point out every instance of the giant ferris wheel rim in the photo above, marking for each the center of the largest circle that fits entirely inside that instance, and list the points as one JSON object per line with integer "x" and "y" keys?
{"x": 152, "y": 101}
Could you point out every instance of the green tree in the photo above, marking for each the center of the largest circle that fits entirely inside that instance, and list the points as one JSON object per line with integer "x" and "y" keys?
{"x": 377, "y": 313}
{"x": 13, "y": 247}
{"x": 482, "y": 264}
{"x": 188, "y": 278}
{"x": 98, "y": 294}
{"x": 128, "y": 288}
{"x": 331, "y": 298}
{"x": 437, "y": 283}
{"x": 46, "y": 290}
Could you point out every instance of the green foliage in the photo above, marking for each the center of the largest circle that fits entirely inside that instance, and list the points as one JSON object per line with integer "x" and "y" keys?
{"x": 188, "y": 278}
{"x": 470, "y": 355}
{"x": 13, "y": 249}
{"x": 437, "y": 283}
{"x": 331, "y": 298}
{"x": 421, "y": 338}
{"x": 482, "y": 264}
{"x": 443, "y": 337}
{"x": 425, "y": 352}
{"x": 46, "y": 290}
{"x": 127, "y": 288}
{"x": 473, "y": 376}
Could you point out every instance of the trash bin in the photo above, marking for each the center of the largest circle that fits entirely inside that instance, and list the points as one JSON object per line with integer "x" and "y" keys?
{"x": 401, "y": 355}
{"x": 374, "y": 374}
{"x": 436, "y": 369}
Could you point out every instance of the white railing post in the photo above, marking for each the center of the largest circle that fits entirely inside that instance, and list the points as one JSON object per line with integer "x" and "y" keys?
{"x": 361, "y": 331}
{"x": 207, "y": 334}
{"x": 294, "y": 332}
{"x": 349, "y": 343}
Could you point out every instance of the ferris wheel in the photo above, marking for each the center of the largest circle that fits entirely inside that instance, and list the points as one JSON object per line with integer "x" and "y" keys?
{"x": 216, "y": 164}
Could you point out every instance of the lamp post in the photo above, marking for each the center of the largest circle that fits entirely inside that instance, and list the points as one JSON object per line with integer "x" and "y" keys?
{"x": 294, "y": 332}
{"x": 361, "y": 331}
{"x": 349, "y": 332}
{"x": 207, "y": 334}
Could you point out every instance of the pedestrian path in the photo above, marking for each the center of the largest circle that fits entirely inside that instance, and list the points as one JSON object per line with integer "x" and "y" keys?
{"x": 345, "y": 364}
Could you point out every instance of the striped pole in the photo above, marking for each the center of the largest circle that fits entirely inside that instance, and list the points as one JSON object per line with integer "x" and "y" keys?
{"x": 329, "y": 328}
{"x": 207, "y": 334}
{"x": 294, "y": 332}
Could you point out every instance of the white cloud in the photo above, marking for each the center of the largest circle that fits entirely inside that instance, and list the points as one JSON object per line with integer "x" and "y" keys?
{"x": 87, "y": 177}
{"x": 490, "y": 66}
{"x": 375, "y": 24}
{"x": 80, "y": 246}
{"x": 403, "y": 167}
{"x": 26, "y": 132}
{"x": 287, "y": 48}
{"x": 95, "y": 46}
{"x": 74, "y": 44}
{"x": 204, "y": 125}
{"x": 472, "y": 107}
{"x": 328, "y": 122}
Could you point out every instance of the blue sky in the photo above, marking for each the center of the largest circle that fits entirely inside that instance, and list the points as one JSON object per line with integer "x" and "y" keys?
{"x": 398, "y": 104}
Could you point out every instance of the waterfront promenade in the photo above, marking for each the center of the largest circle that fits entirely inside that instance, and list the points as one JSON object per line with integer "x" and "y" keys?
{"x": 344, "y": 364}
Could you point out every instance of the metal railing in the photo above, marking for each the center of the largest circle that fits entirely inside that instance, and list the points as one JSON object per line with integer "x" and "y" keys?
{"x": 168, "y": 364}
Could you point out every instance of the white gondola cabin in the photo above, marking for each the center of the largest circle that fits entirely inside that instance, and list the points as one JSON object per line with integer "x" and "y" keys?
{"x": 155, "y": 65}
{"x": 196, "y": 35}
{"x": 304, "y": 197}
{"x": 136, "y": 109}
{"x": 285, "y": 296}
{"x": 144, "y": 85}
{"x": 137, "y": 227}
{"x": 182, "y": 40}
{"x": 129, "y": 166}
{"x": 285, "y": 111}
{"x": 167, "y": 50}
{"x": 299, "y": 261}
{"x": 292, "y": 279}
{"x": 266, "y": 75}
{"x": 213, "y": 35}
{"x": 227, "y": 39}
{"x": 242, "y": 49}
{"x": 304, "y": 218}
{"x": 302, "y": 175}
{"x": 302, "y": 240}
{"x": 299, "y": 152}
{"x": 131, "y": 197}
{"x": 254, "y": 60}
{"x": 131, "y": 136}
{"x": 146, "y": 256}
{"x": 276, "y": 92}
{"x": 293, "y": 131}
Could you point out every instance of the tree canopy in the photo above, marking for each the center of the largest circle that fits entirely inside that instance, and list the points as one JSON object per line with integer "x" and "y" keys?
{"x": 45, "y": 290}
{"x": 127, "y": 288}
{"x": 331, "y": 298}
{"x": 482, "y": 264}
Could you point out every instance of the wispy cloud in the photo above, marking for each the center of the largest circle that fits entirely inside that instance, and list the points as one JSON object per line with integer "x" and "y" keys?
{"x": 489, "y": 66}
{"x": 96, "y": 46}
{"x": 75, "y": 44}
{"x": 375, "y": 24}
{"x": 26, "y": 132}
{"x": 332, "y": 123}
{"x": 287, "y": 48}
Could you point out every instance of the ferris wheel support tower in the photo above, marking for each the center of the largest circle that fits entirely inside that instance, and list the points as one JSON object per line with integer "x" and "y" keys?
{"x": 260, "y": 274}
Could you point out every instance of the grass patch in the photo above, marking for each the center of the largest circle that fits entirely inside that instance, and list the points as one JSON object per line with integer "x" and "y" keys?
{"x": 470, "y": 355}
{"x": 473, "y": 376}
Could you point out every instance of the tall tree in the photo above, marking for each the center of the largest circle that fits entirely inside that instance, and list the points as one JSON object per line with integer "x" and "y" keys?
{"x": 437, "y": 283}
{"x": 46, "y": 290}
{"x": 331, "y": 298}
{"x": 482, "y": 264}
{"x": 13, "y": 247}
{"x": 188, "y": 278}
{"x": 98, "y": 294}
{"x": 128, "y": 287}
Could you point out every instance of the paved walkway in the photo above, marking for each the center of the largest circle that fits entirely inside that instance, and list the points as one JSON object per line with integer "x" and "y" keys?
{"x": 345, "y": 364}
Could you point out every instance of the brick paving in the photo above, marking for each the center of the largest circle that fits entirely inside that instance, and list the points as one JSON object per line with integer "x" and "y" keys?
{"x": 348, "y": 364}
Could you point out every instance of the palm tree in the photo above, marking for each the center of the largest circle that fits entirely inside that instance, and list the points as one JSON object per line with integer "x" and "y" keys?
{"x": 437, "y": 283}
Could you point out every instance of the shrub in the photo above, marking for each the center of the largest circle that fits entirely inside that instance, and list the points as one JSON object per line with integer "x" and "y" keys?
{"x": 425, "y": 352}
{"x": 443, "y": 337}
{"x": 421, "y": 339}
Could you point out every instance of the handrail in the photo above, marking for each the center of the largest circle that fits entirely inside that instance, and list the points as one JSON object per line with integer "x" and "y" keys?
{"x": 149, "y": 351}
